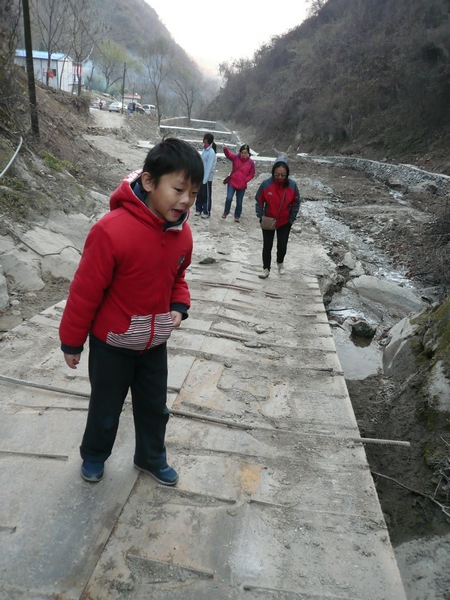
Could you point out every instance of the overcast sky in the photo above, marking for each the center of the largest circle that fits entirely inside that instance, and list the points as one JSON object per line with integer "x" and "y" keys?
{"x": 214, "y": 31}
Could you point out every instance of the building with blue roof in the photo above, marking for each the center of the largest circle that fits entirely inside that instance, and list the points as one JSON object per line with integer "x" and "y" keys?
{"x": 62, "y": 71}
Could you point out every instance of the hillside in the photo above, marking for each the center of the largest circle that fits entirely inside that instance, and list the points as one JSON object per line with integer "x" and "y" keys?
{"x": 131, "y": 22}
{"x": 363, "y": 77}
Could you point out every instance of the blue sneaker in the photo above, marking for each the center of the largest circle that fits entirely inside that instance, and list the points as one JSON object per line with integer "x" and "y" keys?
{"x": 166, "y": 475}
{"x": 91, "y": 471}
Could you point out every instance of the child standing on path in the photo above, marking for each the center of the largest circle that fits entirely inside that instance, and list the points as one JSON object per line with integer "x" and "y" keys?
{"x": 242, "y": 171}
{"x": 277, "y": 197}
{"x": 128, "y": 293}
{"x": 209, "y": 158}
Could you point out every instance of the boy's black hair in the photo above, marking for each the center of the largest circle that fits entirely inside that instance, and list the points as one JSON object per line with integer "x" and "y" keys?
{"x": 172, "y": 155}
{"x": 281, "y": 163}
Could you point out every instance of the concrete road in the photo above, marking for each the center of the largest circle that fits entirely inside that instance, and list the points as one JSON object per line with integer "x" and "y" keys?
{"x": 275, "y": 498}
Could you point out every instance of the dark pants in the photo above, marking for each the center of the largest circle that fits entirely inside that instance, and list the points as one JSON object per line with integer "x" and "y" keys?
{"x": 282, "y": 240}
{"x": 204, "y": 199}
{"x": 112, "y": 373}
{"x": 229, "y": 200}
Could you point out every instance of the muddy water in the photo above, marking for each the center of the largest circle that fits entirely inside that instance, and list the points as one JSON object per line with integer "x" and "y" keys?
{"x": 359, "y": 357}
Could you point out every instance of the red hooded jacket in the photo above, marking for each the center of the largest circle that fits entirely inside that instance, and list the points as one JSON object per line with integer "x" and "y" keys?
{"x": 131, "y": 272}
{"x": 273, "y": 199}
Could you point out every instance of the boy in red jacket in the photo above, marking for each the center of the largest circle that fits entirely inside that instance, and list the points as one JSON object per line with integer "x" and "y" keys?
{"x": 128, "y": 293}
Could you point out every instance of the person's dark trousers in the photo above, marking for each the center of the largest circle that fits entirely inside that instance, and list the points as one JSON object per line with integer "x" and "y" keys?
{"x": 112, "y": 372}
{"x": 282, "y": 241}
{"x": 208, "y": 198}
{"x": 200, "y": 199}
{"x": 229, "y": 200}
{"x": 204, "y": 199}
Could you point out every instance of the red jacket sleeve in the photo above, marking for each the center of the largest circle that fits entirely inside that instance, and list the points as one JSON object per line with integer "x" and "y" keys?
{"x": 92, "y": 278}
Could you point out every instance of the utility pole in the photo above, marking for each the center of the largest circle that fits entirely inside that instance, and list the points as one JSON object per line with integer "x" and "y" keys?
{"x": 30, "y": 68}
{"x": 123, "y": 84}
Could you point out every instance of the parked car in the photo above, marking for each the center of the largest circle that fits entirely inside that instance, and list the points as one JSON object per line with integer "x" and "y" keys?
{"x": 135, "y": 107}
{"x": 149, "y": 109}
{"x": 117, "y": 107}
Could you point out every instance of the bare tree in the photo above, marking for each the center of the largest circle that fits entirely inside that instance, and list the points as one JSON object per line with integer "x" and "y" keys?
{"x": 85, "y": 31}
{"x": 158, "y": 61}
{"x": 50, "y": 18}
{"x": 134, "y": 77}
{"x": 111, "y": 59}
{"x": 11, "y": 20}
{"x": 315, "y": 6}
{"x": 186, "y": 83}
{"x": 9, "y": 33}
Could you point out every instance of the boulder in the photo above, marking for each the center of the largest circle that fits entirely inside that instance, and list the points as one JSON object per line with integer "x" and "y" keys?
{"x": 438, "y": 387}
{"x": 44, "y": 242}
{"x": 397, "y": 351}
{"x": 396, "y": 183}
{"x": 358, "y": 270}
{"x": 386, "y": 293}
{"x": 62, "y": 265}
{"x": 72, "y": 227}
{"x": 362, "y": 328}
{"x": 349, "y": 261}
{"x": 24, "y": 268}
{"x": 424, "y": 187}
{"x": 6, "y": 243}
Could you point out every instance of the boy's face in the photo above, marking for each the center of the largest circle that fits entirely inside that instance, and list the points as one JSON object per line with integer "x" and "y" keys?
{"x": 172, "y": 197}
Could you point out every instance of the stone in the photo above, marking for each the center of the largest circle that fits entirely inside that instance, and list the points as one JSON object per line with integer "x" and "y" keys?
{"x": 398, "y": 344}
{"x": 61, "y": 265}
{"x": 362, "y": 328}
{"x": 358, "y": 270}
{"x": 4, "y": 296}
{"x": 349, "y": 260}
{"x": 24, "y": 267}
{"x": 439, "y": 388}
{"x": 424, "y": 187}
{"x": 387, "y": 293}
{"x": 396, "y": 184}
{"x": 44, "y": 242}
{"x": 209, "y": 260}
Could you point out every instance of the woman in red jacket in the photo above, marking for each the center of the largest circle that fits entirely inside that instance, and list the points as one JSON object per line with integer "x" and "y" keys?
{"x": 277, "y": 197}
{"x": 242, "y": 171}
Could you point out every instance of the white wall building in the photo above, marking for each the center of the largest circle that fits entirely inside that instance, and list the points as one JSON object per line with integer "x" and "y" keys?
{"x": 62, "y": 73}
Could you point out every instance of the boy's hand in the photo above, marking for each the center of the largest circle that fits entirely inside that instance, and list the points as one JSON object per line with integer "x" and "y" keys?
{"x": 72, "y": 360}
{"x": 176, "y": 317}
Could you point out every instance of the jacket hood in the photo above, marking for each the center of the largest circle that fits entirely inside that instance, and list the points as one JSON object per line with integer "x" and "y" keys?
{"x": 129, "y": 195}
{"x": 281, "y": 159}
